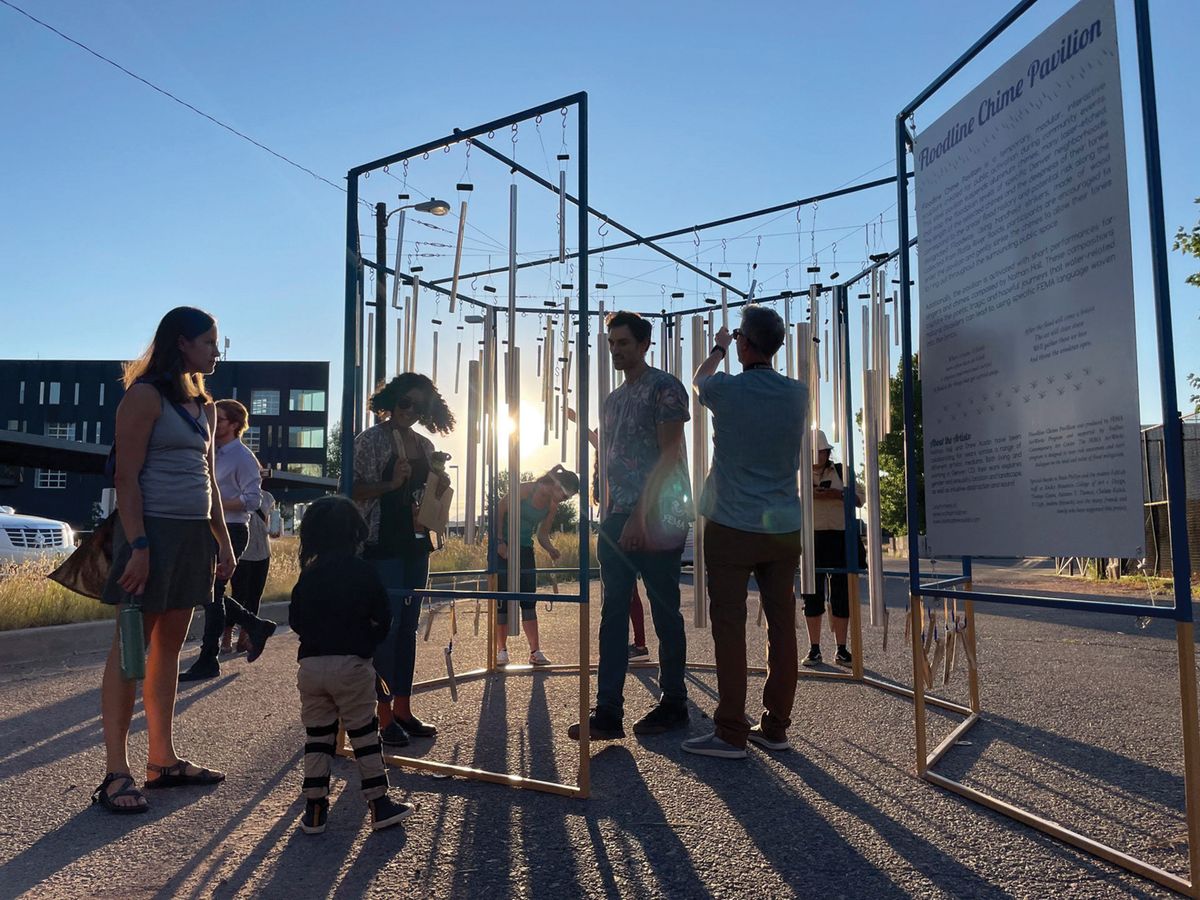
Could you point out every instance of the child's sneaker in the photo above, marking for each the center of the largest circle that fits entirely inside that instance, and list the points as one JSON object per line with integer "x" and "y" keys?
{"x": 502, "y": 657}
{"x": 386, "y": 812}
{"x": 538, "y": 658}
{"x": 316, "y": 812}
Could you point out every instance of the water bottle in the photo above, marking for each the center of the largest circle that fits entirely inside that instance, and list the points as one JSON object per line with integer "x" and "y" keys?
{"x": 131, "y": 638}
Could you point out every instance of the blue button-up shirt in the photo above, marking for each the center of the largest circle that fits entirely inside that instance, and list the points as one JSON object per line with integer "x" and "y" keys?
{"x": 239, "y": 475}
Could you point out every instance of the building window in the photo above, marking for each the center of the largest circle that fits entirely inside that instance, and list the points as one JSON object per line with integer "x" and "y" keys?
{"x": 264, "y": 403}
{"x": 252, "y": 438}
{"x": 55, "y": 393}
{"x": 65, "y": 430}
{"x": 102, "y": 393}
{"x": 77, "y": 393}
{"x": 311, "y": 469}
{"x": 41, "y": 393}
{"x": 21, "y": 393}
{"x": 51, "y": 478}
{"x": 306, "y": 401}
{"x": 97, "y": 432}
{"x": 14, "y": 425}
{"x": 306, "y": 438}
{"x": 85, "y": 425}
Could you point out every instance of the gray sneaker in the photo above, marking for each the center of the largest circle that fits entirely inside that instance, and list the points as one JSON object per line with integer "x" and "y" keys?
{"x": 756, "y": 736}
{"x": 711, "y": 745}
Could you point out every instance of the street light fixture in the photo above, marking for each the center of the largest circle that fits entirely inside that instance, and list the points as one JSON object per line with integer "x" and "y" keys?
{"x": 433, "y": 207}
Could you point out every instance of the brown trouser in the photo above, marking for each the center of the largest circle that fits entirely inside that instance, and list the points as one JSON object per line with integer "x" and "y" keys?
{"x": 730, "y": 558}
{"x": 332, "y": 688}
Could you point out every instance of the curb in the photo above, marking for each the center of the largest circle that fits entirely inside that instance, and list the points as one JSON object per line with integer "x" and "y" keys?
{"x": 54, "y": 643}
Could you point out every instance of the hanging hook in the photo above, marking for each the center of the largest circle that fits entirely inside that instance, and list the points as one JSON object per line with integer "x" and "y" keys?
{"x": 695, "y": 235}
{"x": 602, "y": 230}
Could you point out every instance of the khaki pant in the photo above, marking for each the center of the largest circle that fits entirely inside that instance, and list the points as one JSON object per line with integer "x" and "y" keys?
{"x": 332, "y": 688}
{"x": 730, "y": 558}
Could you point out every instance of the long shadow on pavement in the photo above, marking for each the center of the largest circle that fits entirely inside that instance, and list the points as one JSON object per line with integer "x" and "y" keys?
{"x": 74, "y": 723}
{"x": 88, "y": 831}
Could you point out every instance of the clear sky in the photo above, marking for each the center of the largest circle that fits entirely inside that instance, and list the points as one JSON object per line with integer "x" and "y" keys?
{"x": 119, "y": 203}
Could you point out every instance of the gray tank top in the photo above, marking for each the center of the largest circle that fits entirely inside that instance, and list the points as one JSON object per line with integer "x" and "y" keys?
{"x": 174, "y": 478}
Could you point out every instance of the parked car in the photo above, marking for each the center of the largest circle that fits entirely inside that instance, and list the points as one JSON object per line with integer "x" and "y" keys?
{"x": 31, "y": 537}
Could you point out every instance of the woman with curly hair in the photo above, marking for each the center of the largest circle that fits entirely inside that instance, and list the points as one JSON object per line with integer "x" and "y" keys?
{"x": 392, "y": 464}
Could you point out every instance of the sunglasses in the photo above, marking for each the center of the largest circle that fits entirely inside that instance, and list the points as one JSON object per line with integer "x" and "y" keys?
{"x": 737, "y": 333}
{"x": 407, "y": 402}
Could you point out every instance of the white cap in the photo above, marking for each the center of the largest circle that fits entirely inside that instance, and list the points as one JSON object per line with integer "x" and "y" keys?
{"x": 822, "y": 441}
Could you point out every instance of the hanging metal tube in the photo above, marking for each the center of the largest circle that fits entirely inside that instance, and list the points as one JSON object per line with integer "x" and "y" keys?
{"x": 562, "y": 215}
{"x": 699, "y": 471}
{"x": 413, "y": 330}
{"x": 472, "y": 463}
{"x": 433, "y": 375}
{"x": 603, "y": 386}
{"x": 808, "y": 566}
{"x": 513, "y": 367}
{"x": 874, "y": 530}
{"x": 462, "y": 226}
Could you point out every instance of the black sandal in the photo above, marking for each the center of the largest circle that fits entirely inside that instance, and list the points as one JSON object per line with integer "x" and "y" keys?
{"x": 177, "y": 776}
{"x": 108, "y": 801}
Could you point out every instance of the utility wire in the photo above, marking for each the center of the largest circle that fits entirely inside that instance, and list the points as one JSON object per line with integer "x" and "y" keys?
{"x": 169, "y": 95}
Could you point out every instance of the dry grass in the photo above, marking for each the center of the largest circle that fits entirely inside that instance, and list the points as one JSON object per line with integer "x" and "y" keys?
{"x": 29, "y": 599}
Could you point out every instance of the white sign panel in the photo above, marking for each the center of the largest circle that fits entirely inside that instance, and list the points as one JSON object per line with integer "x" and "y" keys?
{"x": 1028, "y": 363}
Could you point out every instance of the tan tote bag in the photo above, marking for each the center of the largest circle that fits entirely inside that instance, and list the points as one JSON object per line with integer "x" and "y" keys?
{"x": 433, "y": 512}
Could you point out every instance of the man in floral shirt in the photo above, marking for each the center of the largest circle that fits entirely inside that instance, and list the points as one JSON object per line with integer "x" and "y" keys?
{"x": 649, "y": 513}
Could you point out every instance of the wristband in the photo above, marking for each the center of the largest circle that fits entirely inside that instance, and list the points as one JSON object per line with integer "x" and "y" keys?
{"x": 717, "y": 348}
{"x": 140, "y": 543}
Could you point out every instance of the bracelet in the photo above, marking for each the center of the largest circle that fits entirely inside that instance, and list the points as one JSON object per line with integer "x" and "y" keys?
{"x": 718, "y": 348}
{"x": 140, "y": 543}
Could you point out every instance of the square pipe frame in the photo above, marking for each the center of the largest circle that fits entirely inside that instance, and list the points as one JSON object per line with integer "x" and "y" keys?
{"x": 1173, "y": 448}
{"x": 352, "y": 392}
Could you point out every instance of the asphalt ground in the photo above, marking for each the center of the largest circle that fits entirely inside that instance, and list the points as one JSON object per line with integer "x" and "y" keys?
{"x": 1081, "y": 725}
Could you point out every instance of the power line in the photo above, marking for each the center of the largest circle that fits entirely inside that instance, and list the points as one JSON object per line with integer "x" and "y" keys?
{"x": 183, "y": 103}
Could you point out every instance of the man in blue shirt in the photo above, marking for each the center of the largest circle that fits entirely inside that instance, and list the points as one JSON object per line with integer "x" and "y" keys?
{"x": 751, "y": 505}
{"x": 649, "y": 513}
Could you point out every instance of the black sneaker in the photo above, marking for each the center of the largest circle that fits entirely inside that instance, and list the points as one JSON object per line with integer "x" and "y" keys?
{"x": 667, "y": 716}
{"x": 386, "y": 812}
{"x": 843, "y": 657}
{"x": 204, "y": 667}
{"x": 813, "y": 658}
{"x": 259, "y": 632}
{"x": 602, "y": 726}
{"x": 414, "y": 727}
{"x": 316, "y": 812}
{"x": 394, "y": 735}
{"x": 638, "y": 654}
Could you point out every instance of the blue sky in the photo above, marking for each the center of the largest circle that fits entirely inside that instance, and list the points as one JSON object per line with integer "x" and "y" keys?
{"x": 119, "y": 203}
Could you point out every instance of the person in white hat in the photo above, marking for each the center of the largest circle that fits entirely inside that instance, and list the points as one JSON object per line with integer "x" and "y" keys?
{"x": 829, "y": 544}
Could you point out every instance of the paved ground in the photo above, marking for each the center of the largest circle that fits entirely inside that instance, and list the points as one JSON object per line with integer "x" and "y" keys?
{"x": 1082, "y": 725}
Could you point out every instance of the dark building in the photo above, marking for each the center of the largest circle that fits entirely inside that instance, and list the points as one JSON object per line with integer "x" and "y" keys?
{"x": 77, "y": 400}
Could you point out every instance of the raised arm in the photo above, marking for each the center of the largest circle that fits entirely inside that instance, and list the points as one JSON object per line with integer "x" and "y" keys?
{"x": 714, "y": 359}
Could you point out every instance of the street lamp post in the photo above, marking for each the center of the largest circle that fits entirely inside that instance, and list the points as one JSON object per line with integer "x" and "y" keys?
{"x": 431, "y": 206}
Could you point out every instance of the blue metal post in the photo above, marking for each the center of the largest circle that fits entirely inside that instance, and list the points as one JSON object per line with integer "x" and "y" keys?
{"x": 841, "y": 320}
{"x": 350, "y": 337}
{"x": 1172, "y": 425}
{"x": 582, "y": 354}
{"x": 911, "y": 497}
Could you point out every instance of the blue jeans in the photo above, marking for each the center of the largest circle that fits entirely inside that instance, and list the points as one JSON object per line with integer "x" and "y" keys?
{"x": 618, "y": 575}
{"x": 396, "y": 657}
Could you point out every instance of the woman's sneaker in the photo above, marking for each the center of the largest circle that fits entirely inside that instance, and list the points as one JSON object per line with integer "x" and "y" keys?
{"x": 502, "y": 657}
{"x": 386, "y": 812}
{"x": 316, "y": 812}
{"x": 538, "y": 658}
{"x": 813, "y": 659}
{"x": 843, "y": 657}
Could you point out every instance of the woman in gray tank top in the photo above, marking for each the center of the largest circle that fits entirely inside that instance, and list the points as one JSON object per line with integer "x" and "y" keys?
{"x": 164, "y": 552}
